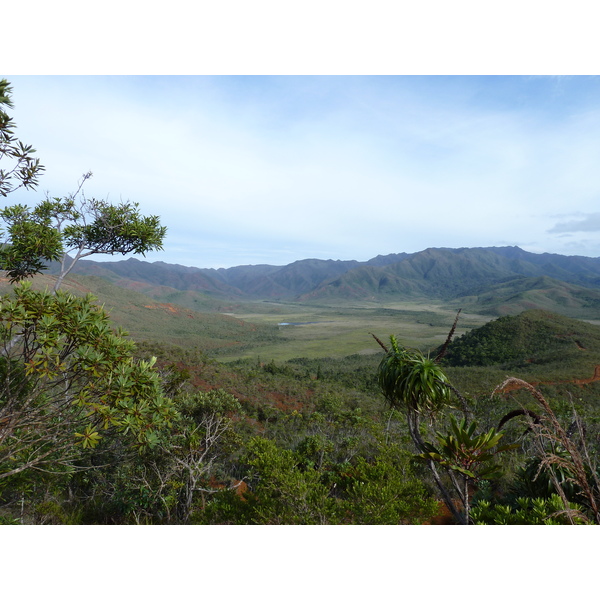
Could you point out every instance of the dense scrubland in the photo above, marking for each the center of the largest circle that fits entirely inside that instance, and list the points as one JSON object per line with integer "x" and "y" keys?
{"x": 312, "y": 439}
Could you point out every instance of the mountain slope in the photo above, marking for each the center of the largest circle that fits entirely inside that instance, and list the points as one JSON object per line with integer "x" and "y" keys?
{"x": 445, "y": 274}
{"x": 145, "y": 319}
{"x": 516, "y": 295}
{"x": 533, "y": 340}
{"x": 157, "y": 273}
{"x": 494, "y": 280}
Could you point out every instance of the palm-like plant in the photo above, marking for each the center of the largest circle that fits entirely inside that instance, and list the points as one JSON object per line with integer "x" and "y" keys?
{"x": 466, "y": 456}
{"x": 412, "y": 381}
{"x": 416, "y": 384}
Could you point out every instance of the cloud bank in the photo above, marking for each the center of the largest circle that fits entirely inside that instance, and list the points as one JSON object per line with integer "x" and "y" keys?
{"x": 247, "y": 170}
{"x": 590, "y": 222}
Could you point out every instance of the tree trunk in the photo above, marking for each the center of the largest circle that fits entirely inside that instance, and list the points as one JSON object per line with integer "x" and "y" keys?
{"x": 413, "y": 428}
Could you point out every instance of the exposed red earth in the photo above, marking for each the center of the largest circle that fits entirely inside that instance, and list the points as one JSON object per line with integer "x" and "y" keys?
{"x": 511, "y": 387}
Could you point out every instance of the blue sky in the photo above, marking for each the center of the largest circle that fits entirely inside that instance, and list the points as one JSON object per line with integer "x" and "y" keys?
{"x": 272, "y": 169}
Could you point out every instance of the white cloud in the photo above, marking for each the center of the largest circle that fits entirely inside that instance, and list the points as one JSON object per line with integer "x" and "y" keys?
{"x": 277, "y": 169}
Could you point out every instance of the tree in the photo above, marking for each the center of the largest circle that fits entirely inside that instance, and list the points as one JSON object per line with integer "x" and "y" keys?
{"x": 416, "y": 385}
{"x": 466, "y": 456}
{"x": 23, "y": 170}
{"x": 67, "y": 380}
{"x": 59, "y": 226}
{"x": 202, "y": 429}
{"x": 282, "y": 493}
{"x": 171, "y": 481}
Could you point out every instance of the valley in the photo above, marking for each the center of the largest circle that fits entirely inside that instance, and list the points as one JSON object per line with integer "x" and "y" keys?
{"x": 448, "y": 385}
{"x": 340, "y": 303}
{"x": 286, "y": 362}
{"x": 329, "y": 331}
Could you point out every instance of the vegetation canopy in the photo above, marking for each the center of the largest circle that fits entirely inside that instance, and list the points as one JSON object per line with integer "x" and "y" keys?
{"x": 67, "y": 379}
{"x": 18, "y": 167}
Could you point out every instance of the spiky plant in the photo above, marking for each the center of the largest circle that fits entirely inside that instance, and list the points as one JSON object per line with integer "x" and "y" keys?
{"x": 417, "y": 385}
{"x": 412, "y": 382}
{"x": 557, "y": 451}
{"x": 466, "y": 456}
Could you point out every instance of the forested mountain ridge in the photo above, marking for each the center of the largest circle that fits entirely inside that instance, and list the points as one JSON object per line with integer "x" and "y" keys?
{"x": 495, "y": 280}
{"x": 446, "y": 273}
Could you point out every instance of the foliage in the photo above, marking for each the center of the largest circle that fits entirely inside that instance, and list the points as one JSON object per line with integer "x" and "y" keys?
{"x": 384, "y": 491}
{"x": 418, "y": 385}
{"x": 532, "y": 338}
{"x": 529, "y": 511}
{"x": 55, "y": 227}
{"x": 66, "y": 376}
{"x": 330, "y": 454}
{"x": 466, "y": 457}
{"x": 91, "y": 434}
{"x": 536, "y": 479}
{"x": 173, "y": 480}
{"x": 282, "y": 492}
{"x": 31, "y": 241}
{"x": 202, "y": 435}
{"x": 412, "y": 381}
{"x": 24, "y": 168}
{"x": 560, "y": 455}
{"x": 463, "y": 451}
{"x": 284, "y": 489}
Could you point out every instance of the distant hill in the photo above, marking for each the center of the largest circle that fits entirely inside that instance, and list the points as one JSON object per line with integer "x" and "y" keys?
{"x": 491, "y": 280}
{"x": 534, "y": 340}
{"x": 517, "y": 295}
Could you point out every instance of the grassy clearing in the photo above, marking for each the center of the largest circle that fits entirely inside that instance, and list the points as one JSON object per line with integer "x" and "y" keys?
{"x": 327, "y": 331}
{"x": 252, "y": 330}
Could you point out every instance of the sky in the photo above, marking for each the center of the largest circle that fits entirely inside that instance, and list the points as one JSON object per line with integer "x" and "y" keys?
{"x": 273, "y": 169}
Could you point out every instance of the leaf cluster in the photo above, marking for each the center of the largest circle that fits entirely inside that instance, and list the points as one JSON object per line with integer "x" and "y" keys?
{"x": 57, "y": 226}
{"x": 529, "y": 511}
{"x": 67, "y": 376}
{"x": 465, "y": 452}
{"x": 410, "y": 380}
{"x": 24, "y": 169}
{"x": 103, "y": 228}
{"x": 31, "y": 240}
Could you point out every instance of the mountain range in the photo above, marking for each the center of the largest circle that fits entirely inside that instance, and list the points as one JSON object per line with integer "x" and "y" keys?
{"x": 493, "y": 280}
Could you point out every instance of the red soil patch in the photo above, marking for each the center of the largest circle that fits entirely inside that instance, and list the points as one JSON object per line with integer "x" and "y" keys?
{"x": 170, "y": 309}
{"x": 166, "y": 307}
{"x": 444, "y": 516}
{"x": 238, "y": 485}
{"x": 595, "y": 377}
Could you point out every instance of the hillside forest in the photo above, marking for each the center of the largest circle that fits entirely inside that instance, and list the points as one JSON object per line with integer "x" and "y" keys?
{"x": 449, "y": 386}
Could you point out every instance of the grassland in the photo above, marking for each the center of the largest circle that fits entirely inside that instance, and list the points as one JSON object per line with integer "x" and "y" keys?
{"x": 330, "y": 331}
{"x": 168, "y": 324}
{"x": 252, "y": 330}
